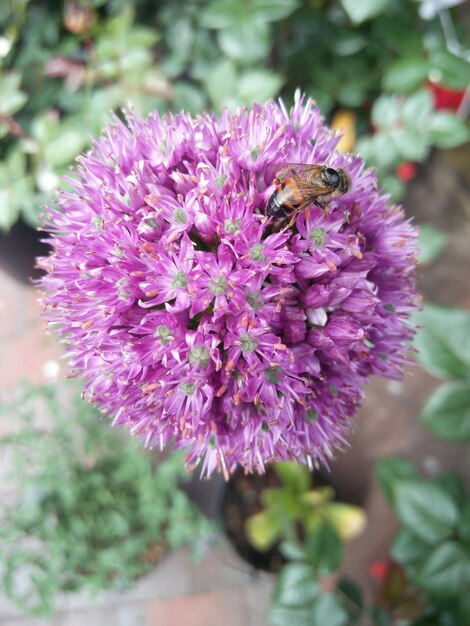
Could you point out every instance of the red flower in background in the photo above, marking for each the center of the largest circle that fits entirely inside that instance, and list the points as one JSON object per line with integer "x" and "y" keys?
{"x": 444, "y": 97}
{"x": 379, "y": 570}
{"x": 406, "y": 171}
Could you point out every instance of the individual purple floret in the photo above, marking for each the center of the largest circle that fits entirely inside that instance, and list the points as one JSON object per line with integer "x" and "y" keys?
{"x": 193, "y": 319}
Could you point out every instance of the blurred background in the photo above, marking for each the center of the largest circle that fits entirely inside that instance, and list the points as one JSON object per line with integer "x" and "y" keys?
{"x": 95, "y": 530}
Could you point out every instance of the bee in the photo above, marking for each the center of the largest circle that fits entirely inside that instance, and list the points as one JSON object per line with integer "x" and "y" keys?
{"x": 301, "y": 184}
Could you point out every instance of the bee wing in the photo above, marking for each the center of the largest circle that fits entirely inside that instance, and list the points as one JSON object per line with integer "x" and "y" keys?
{"x": 282, "y": 171}
{"x": 305, "y": 184}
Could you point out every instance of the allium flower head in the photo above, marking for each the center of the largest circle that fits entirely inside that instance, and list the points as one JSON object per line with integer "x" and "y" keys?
{"x": 193, "y": 319}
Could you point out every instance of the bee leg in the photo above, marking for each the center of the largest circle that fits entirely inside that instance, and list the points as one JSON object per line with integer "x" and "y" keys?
{"x": 323, "y": 205}
{"x": 293, "y": 218}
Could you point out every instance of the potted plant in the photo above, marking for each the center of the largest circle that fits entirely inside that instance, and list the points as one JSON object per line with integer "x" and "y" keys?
{"x": 87, "y": 509}
{"x": 286, "y": 510}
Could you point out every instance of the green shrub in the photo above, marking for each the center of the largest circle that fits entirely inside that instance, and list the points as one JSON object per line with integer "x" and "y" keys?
{"x": 87, "y": 508}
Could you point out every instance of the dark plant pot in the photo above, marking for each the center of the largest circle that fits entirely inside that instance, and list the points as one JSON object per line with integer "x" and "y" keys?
{"x": 241, "y": 500}
{"x": 230, "y": 504}
{"x": 207, "y": 493}
{"x": 19, "y": 249}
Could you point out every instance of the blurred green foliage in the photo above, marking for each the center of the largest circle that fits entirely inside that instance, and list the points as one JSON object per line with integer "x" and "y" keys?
{"x": 427, "y": 580}
{"x": 443, "y": 344}
{"x": 85, "y": 508}
{"x": 424, "y": 581}
{"x": 64, "y": 66}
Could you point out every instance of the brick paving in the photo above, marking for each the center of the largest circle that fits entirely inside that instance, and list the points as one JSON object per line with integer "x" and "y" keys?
{"x": 218, "y": 590}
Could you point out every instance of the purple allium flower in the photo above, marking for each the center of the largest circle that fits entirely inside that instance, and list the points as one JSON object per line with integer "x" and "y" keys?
{"x": 192, "y": 319}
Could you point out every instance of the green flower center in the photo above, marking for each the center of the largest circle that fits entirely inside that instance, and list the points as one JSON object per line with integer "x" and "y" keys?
{"x": 318, "y": 236}
{"x": 220, "y": 180}
{"x": 164, "y": 334}
{"x": 187, "y": 388}
{"x": 334, "y": 390}
{"x": 248, "y": 343}
{"x": 218, "y": 285}
{"x": 231, "y": 227}
{"x": 123, "y": 294}
{"x": 151, "y": 222}
{"x": 179, "y": 216}
{"x": 98, "y": 222}
{"x": 255, "y": 300}
{"x": 273, "y": 374}
{"x": 256, "y": 252}
{"x": 180, "y": 280}
{"x": 312, "y": 415}
{"x": 199, "y": 356}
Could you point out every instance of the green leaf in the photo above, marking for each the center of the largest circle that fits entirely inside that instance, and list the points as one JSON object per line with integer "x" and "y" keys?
{"x": 294, "y": 476}
{"x": 187, "y": 97}
{"x": 142, "y": 37}
{"x": 413, "y": 145}
{"x": 273, "y": 10}
{"x": 283, "y": 503}
{"x": 385, "y": 112}
{"x": 452, "y": 484}
{"x": 12, "y": 98}
{"x": 446, "y": 571}
{"x": 447, "y": 130}
{"x": 44, "y": 127}
{"x": 362, "y": 10}
{"x": 9, "y": 210}
{"x": 292, "y": 550}
{"x": 389, "y": 471}
{"x": 430, "y": 243}
{"x": 227, "y": 13}
{"x": 393, "y": 186}
{"x": 327, "y": 609}
{"x": 296, "y": 585}
{"x": 263, "y": 530}
{"x": 12, "y": 101}
{"x": 348, "y": 43}
{"x": 324, "y": 549}
{"x": 426, "y": 509}
{"x": 221, "y": 82}
{"x": 443, "y": 341}
{"x": 223, "y": 14}
{"x": 416, "y": 108}
{"x": 355, "y": 602}
{"x": 379, "y": 151}
{"x": 298, "y": 600}
{"x": 16, "y": 188}
{"x": 407, "y": 547}
{"x": 258, "y": 86}
{"x": 246, "y": 42}
{"x": 449, "y": 69}
{"x": 347, "y": 519}
{"x": 464, "y": 528}
{"x": 405, "y": 75}
{"x": 447, "y": 412}
{"x": 65, "y": 146}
